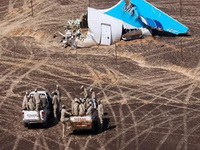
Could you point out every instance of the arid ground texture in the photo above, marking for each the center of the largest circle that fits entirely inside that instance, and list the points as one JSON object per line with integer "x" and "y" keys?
{"x": 150, "y": 87}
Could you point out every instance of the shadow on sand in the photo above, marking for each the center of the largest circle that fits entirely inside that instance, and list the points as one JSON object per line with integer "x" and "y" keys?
{"x": 50, "y": 124}
{"x": 156, "y": 32}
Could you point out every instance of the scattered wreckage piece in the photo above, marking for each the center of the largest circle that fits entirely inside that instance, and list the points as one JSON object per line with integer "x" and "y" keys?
{"x": 72, "y": 32}
{"x": 132, "y": 34}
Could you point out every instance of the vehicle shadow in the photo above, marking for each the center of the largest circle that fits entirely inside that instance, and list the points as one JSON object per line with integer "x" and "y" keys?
{"x": 50, "y": 124}
{"x": 106, "y": 125}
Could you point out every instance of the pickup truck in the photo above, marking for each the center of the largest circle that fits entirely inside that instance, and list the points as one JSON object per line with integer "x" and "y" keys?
{"x": 90, "y": 122}
{"x": 31, "y": 117}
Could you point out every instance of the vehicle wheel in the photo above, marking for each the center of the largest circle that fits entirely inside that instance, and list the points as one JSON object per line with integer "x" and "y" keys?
{"x": 100, "y": 126}
{"x": 51, "y": 115}
{"x": 94, "y": 127}
{"x": 45, "y": 124}
{"x": 25, "y": 124}
{"x": 74, "y": 131}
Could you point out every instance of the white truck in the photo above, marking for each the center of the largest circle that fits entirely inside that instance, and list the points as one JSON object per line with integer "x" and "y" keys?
{"x": 31, "y": 117}
{"x": 90, "y": 122}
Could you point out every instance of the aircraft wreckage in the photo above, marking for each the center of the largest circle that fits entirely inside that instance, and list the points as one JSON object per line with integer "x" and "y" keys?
{"x": 127, "y": 20}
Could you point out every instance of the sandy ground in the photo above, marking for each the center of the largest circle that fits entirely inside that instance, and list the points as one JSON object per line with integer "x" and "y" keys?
{"x": 150, "y": 87}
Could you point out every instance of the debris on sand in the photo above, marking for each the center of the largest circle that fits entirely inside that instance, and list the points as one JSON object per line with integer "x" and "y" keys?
{"x": 127, "y": 20}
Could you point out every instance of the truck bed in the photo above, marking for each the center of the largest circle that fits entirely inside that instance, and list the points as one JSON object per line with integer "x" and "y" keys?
{"x": 81, "y": 122}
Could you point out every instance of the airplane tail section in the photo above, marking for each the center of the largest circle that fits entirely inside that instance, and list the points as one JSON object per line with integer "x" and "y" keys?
{"x": 155, "y": 18}
{"x": 140, "y": 13}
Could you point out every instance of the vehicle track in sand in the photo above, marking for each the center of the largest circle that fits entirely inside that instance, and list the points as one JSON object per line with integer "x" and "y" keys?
{"x": 150, "y": 87}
